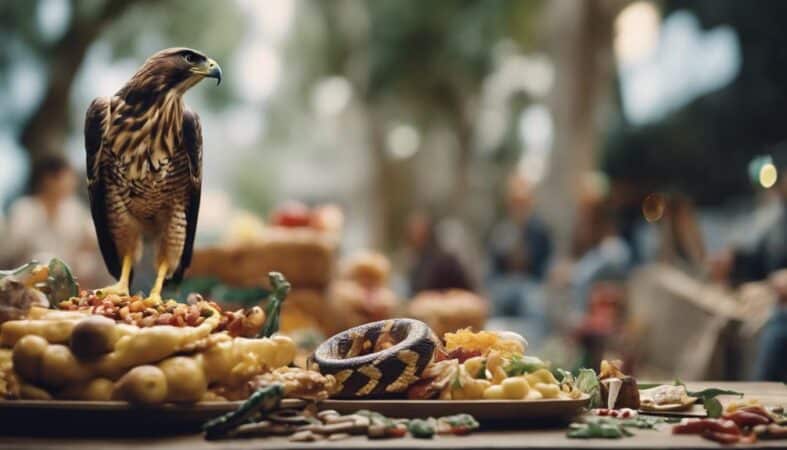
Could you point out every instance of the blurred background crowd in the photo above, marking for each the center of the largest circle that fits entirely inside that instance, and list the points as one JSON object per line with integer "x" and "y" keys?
{"x": 607, "y": 177}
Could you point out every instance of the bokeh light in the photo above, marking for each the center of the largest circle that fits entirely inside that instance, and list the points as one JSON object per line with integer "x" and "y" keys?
{"x": 653, "y": 207}
{"x": 403, "y": 141}
{"x": 768, "y": 175}
{"x": 636, "y": 31}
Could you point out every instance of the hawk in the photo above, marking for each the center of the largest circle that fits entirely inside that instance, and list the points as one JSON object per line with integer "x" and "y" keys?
{"x": 144, "y": 167}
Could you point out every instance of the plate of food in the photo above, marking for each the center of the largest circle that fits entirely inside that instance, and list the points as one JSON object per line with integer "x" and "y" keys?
{"x": 113, "y": 358}
{"x": 398, "y": 367}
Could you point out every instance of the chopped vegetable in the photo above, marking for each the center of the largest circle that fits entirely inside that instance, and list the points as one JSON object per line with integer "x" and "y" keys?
{"x": 459, "y": 424}
{"x": 264, "y": 399}
{"x": 587, "y": 382}
{"x": 520, "y": 365}
{"x": 422, "y": 429}
{"x": 712, "y": 392}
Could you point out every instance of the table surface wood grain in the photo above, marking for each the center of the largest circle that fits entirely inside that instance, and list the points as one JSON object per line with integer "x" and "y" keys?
{"x": 513, "y": 436}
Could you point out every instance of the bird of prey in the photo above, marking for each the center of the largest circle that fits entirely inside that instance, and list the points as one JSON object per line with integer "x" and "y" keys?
{"x": 144, "y": 167}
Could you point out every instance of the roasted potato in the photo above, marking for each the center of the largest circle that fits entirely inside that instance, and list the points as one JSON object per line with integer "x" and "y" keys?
{"x": 145, "y": 385}
{"x": 93, "y": 336}
{"x": 185, "y": 379}
{"x": 27, "y": 356}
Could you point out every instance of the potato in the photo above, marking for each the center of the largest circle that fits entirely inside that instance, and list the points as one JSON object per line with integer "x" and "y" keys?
{"x": 93, "y": 336}
{"x": 97, "y": 389}
{"x": 494, "y": 392}
{"x": 185, "y": 379}
{"x": 533, "y": 394}
{"x": 470, "y": 390}
{"x": 146, "y": 385}
{"x": 547, "y": 390}
{"x": 54, "y": 331}
{"x": 515, "y": 388}
{"x": 27, "y": 356}
{"x": 474, "y": 365}
{"x": 541, "y": 376}
{"x": 30, "y": 392}
{"x": 59, "y": 367}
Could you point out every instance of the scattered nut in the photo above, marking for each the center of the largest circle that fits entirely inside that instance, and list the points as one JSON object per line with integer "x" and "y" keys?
{"x": 338, "y": 436}
{"x": 303, "y": 436}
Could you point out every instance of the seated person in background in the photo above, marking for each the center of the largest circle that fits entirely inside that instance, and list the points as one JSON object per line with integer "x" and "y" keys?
{"x": 52, "y": 222}
{"x": 681, "y": 239}
{"x": 608, "y": 256}
{"x": 771, "y": 361}
{"x": 432, "y": 267}
{"x": 764, "y": 254}
{"x": 520, "y": 248}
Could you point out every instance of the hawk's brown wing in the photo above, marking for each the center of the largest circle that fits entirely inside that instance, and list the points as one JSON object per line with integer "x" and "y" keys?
{"x": 192, "y": 145}
{"x": 95, "y": 127}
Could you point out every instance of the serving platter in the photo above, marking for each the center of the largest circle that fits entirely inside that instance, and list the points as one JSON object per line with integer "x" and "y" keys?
{"x": 480, "y": 409}
{"x": 111, "y": 417}
{"x": 82, "y": 417}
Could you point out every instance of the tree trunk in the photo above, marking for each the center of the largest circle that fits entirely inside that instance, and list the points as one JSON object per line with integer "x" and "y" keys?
{"x": 47, "y": 128}
{"x": 582, "y": 32}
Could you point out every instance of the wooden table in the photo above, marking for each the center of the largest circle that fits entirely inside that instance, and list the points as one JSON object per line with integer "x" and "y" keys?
{"x": 524, "y": 437}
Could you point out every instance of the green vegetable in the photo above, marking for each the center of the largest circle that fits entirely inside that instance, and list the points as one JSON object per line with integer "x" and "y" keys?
{"x": 60, "y": 284}
{"x": 563, "y": 375}
{"x": 587, "y": 382}
{"x": 597, "y": 430}
{"x": 609, "y": 428}
{"x": 521, "y": 365}
{"x": 281, "y": 287}
{"x": 712, "y": 392}
{"x": 262, "y": 400}
{"x": 460, "y": 420}
{"x": 422, "y": 429}
{"x": 712, "y": 407}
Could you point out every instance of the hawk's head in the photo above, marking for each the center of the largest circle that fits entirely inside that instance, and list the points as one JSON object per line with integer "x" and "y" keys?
{"x": 174, "y": 68}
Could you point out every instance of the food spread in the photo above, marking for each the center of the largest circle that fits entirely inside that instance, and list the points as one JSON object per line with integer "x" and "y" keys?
{"x": 96, "y": 346}
{"x": 146, "y": 351}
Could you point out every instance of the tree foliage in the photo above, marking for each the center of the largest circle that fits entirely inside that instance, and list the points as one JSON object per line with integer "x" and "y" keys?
{"x": 704, "y": 148}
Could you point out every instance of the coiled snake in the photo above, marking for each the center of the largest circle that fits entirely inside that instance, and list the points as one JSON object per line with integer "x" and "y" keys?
{"x": 378, "y": 358}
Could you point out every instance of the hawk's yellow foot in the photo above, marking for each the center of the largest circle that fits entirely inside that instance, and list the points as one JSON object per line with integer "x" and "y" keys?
{"x": 121, "y": 287}
{"x": 155, "y": 292}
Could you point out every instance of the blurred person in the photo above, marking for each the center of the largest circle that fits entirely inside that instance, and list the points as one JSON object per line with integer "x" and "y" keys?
{"x": 520, "y": 249}
{"x": 765, "y": 253}
{"x": 681, "y": 239}
{"x": 608, "y": 256}
{"x": 771, "y": 363}
{"x": 432, "y": 267}
{"x": 520, "y": 244}
{"x": 52, "y": 222}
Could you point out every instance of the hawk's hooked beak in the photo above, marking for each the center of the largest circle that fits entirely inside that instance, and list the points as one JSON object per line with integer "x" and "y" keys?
{"x": 209, "y": 69}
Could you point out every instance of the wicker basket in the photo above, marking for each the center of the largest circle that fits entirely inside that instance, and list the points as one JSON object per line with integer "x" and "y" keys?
{"x": 305, "y": 256}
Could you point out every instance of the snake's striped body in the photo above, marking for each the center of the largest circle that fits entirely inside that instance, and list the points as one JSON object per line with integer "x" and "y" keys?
{"x": 381, "y": 373}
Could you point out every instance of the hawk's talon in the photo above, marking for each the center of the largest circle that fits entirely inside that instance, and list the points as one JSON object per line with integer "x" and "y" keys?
{"x": 118, "y": 288}
{"x": 153, "y": 299}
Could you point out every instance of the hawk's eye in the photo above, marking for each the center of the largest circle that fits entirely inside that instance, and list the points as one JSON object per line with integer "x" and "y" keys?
{"x": 189, "y": 58}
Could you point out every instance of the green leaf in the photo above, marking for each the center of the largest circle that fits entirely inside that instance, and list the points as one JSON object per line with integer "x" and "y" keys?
{"x": 712, "y": 406}
{"x": 712, "y": 392}
{"x": 61, "y": 284}
{"x": 563, "y": 375}
{"x": 587, "y": 382}
{"x": 521, "y": 365}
